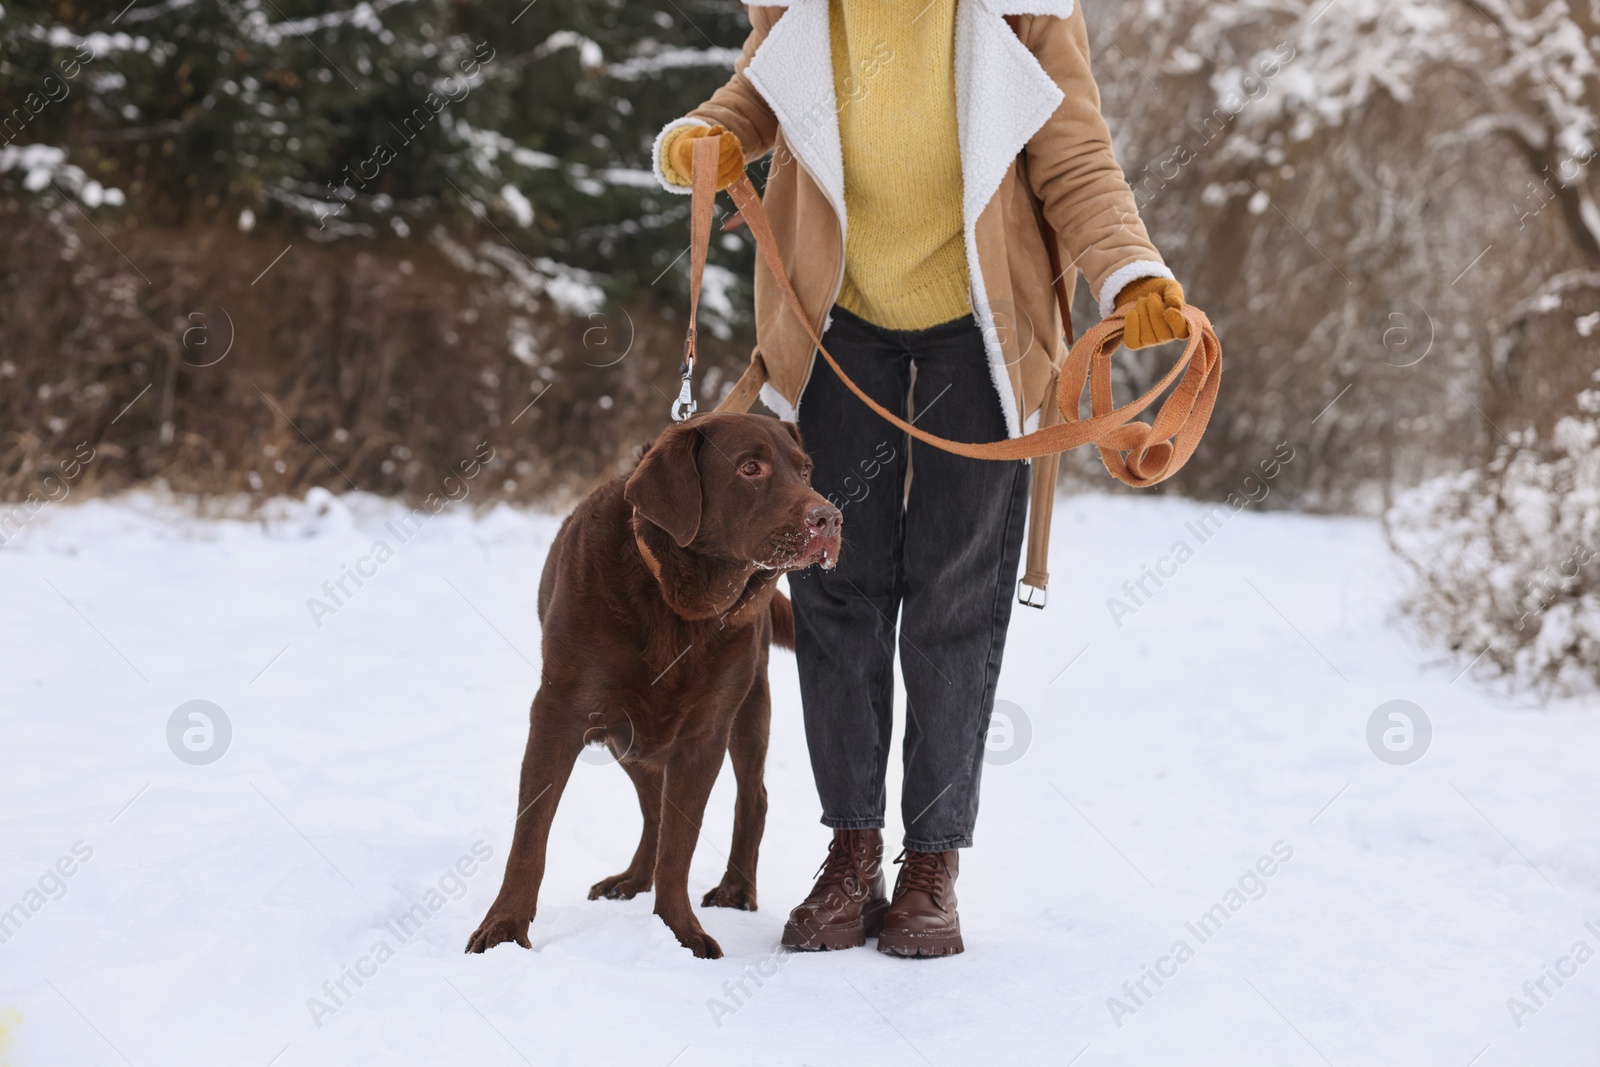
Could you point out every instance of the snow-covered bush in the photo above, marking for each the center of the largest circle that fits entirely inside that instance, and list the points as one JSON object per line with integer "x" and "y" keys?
{"x": 1507, "y": 557}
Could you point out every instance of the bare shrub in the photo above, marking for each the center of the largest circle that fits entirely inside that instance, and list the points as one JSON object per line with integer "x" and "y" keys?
{"x": 351, "y": 366}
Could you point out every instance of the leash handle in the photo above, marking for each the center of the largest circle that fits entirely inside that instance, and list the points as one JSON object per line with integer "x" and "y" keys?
{"x": 703, "y": 179}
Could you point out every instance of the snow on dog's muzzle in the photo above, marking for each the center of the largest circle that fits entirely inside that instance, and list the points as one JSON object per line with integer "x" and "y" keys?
{"x": 824, "y": 528}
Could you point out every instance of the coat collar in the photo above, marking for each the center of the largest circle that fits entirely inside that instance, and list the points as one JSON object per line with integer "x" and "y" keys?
{"x": 1003, "y": 95}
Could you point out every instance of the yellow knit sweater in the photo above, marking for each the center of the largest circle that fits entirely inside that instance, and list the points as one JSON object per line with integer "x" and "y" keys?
{"x": 894, "y": 77}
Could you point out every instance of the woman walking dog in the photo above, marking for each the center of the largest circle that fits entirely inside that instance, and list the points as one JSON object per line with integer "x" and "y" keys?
{"x": 914, "y": 147}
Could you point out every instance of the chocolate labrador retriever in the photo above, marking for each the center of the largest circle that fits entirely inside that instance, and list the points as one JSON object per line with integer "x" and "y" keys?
{"x": 658, "y": 603}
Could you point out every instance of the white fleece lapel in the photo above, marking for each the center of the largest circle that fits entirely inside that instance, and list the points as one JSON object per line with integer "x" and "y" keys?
{"x": 793, "y": 72}
{"x": 1059, "y": 8}
{"x": 1003, "y": 97}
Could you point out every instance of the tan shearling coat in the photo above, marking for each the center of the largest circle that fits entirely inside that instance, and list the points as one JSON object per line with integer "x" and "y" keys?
{"x": 1029, "y": 88}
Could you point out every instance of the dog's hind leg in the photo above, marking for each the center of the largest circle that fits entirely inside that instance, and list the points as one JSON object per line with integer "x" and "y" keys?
{"x": 641, "y": 873}
{"x": 690, "y": 775}
{"x": 748, "y": 749}
{"x": 553, "y": 747}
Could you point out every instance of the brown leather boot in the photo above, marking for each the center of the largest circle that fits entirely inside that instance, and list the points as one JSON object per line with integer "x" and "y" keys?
{"x": 846, "y": 905}
{"x": 922, "y": 921}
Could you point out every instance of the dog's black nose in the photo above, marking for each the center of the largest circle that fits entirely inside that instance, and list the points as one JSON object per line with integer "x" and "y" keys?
{"x": 825, "y": 520}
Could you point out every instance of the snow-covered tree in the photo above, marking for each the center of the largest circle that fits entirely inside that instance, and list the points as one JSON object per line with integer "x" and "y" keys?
{"x": 1388, "y": 206}
{"x": 368, "y": 118}
{"x": 466, "y": 190}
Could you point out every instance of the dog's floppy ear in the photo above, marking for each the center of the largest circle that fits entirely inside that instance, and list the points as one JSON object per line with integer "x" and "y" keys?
{"x": 665, "y": 487}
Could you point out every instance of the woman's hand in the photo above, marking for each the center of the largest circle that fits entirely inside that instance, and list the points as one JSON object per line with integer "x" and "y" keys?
{"x": 1152, "y": 312}
{"x": 678, "y": 153}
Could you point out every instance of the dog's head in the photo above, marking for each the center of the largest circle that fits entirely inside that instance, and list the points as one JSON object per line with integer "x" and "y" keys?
{"x": 737, "y": 487}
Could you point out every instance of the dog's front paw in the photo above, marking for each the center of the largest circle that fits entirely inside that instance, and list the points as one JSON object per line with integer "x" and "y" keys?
{"x": 691, "y": 935}
{"x": 497, "y": 928}
{"x": 702, "y": 944}
{"x": 731, "y": 895}
{"x": 624, "y": 886}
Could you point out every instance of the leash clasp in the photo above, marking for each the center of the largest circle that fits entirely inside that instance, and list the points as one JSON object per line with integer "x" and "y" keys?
{"x": 685, "y": 406}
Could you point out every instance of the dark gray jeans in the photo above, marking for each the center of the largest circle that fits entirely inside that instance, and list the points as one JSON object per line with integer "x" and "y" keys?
{"x": 942, "y": 558}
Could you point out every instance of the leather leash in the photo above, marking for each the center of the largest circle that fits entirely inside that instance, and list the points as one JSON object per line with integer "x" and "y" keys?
{"x": 703, "y": 166}
{"x": 1136, "y": 453}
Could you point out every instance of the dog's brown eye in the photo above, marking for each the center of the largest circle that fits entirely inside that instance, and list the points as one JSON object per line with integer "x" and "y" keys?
{"x": 805, "y": 472}
{"x": 750, "y": 468}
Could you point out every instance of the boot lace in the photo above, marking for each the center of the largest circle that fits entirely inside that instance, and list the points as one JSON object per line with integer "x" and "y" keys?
{"x": 843, "y": 868}
{"x": 923, "y": 871}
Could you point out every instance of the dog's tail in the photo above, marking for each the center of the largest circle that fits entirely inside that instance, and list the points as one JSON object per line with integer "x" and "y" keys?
{"x": 782, "y": 621}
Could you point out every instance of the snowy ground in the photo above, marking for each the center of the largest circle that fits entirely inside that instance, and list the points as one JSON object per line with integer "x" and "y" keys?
{"x": 373, "y": 759}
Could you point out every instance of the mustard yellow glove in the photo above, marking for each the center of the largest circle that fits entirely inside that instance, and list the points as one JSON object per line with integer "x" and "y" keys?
{"x": 677, "y": 155}
{"x": 1155, "y": 315}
